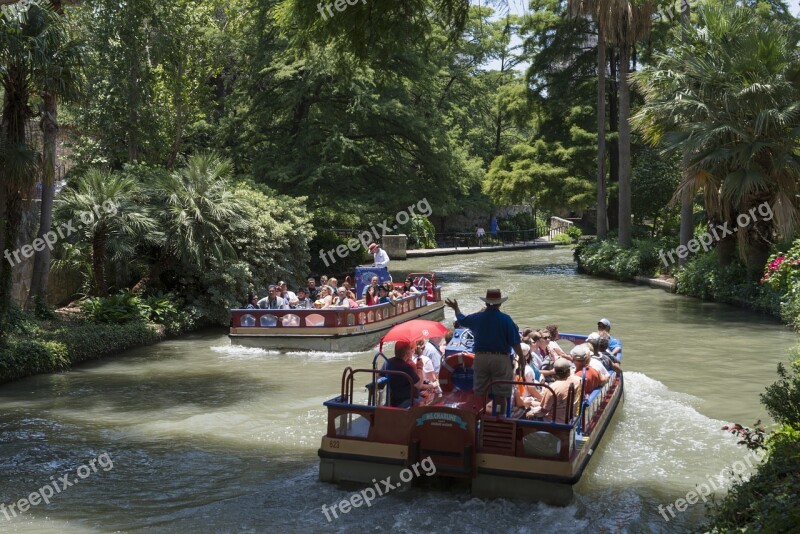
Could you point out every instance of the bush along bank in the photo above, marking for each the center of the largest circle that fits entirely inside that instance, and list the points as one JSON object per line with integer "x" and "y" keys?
{"x": 702, "y": 276}
{"x": 105, "y": 326}
{"x": 769, "y": 501}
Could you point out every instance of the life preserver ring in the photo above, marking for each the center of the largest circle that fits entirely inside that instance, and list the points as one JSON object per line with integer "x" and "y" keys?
{"x": 456, "y": 364}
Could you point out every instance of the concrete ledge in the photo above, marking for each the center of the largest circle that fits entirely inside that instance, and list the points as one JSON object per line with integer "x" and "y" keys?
{"x": 658, "y": 283}
{"x": 425, "y": 253}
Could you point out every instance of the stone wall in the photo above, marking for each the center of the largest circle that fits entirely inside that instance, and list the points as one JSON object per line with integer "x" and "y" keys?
{"x": 466, "y": 221}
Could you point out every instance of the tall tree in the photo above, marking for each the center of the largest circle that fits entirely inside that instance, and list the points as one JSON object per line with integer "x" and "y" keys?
{"x": 28, "y": 39}
{"x": 60, "y": 78}
{"x": 728, "y": 96}
{"x": 624, "y": 23}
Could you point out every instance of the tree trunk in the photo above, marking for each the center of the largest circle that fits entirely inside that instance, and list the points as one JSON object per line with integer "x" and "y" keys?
{"x": 613, "y": 145}
{"x": 41, "y": 262}
{"x": 687, "y": 202}
{"x": 98, "y": 264}
{"x": 726, "y": 248}
{"x": 602, "y": 217}
{"x": 625, "y": 240}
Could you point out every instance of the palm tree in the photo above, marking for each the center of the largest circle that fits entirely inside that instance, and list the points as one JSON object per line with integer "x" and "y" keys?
{"x": 27, "y": 45}
{"x": 198, "y": 208}
{"x": 591, "y": 9}
{"x": 624, "y": 23}
{"x": 57, "y": 79}
{"x": 729, "y": 97}
{"x": 106, "y": 212}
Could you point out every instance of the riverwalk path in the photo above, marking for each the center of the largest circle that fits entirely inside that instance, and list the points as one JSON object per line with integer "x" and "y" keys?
{"x": 424, "y": 253}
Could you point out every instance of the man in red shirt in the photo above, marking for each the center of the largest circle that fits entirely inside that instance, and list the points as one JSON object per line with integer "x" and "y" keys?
{"x": 591, "y": 380}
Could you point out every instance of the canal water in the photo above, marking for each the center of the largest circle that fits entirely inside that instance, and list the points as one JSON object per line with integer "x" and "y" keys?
{"x": 196, "y": 435}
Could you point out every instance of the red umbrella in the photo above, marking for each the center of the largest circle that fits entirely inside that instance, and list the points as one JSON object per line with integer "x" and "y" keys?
{"x": 413, "y": 331}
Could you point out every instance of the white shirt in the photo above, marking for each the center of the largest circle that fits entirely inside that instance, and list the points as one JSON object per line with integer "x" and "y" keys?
{"x": 480, "y": 232}
{"x": 600, "y": 368}
{"x": 433, "y": 354}
{"x": 381, "y": 258}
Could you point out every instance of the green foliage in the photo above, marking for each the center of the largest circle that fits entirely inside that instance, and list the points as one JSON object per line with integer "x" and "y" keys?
{"x": 607, "y": 258}
{"x": 115, "y": 309}
{"x": 574, "y": 233}
{"x": 653, "y": 184}
{"x": 91, "y": 341}
{"x": 420, "y": 232}
{"x": 564, "y": 239}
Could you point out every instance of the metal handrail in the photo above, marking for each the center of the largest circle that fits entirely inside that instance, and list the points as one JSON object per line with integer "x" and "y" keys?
{"x": 570, "y": 397}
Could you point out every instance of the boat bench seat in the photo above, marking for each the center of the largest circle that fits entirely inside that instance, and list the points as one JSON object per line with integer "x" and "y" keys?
{"x": 381, "y": 383}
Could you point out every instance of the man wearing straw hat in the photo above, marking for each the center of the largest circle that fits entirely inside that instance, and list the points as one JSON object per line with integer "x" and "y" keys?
{"x": 495, "y": 335}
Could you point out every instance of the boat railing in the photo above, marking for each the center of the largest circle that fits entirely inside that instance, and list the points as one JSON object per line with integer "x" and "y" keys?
{"x": 326, "y": 317}
{"x": 568, "y": 415}
{"x": 348, "y": 382}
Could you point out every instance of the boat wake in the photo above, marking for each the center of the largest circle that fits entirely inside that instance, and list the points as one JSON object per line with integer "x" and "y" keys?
{"x": 239, "y": 352}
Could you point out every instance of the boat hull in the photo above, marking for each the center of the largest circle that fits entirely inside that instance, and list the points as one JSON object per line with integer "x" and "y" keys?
{"x": 334, "y": 339}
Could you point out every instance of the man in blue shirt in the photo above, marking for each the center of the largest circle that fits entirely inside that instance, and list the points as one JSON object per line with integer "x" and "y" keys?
{"x": 495, "y": 335}
{"x": 614, "y": 344}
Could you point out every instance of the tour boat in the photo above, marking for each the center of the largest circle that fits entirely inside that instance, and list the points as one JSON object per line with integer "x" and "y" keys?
{"x": 541, "y": 460}
{"x": 337, "y": 329}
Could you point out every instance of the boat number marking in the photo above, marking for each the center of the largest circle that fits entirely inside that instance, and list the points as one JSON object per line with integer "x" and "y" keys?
{"x": 333, "y": 444}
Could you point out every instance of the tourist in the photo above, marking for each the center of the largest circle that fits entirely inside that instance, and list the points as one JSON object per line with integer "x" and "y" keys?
{"x": 495, "y": 335}
{"x": 323, "y": 280}
{"x": 312, "y": 289}
{"x": 593, "y": 341}
{"x": 372, "y": 283}
{"x": 333, "y": 282}
{"x": 425, "y": 364}
{"x": 381, "y": 258}
{"x": 303, "y": 302}
{"x": 527, "y": 336}
{"x": 614, "y": 344}
{"x": 400, "y": 391}
{"x": 552, "y": 329}
{"x": 556, "y": 396}
{"x": 523, "y": 401}
{"x": 288, "y": 296}
{"x": 529, "y": 372}
{"x": 253, "y": 303}
{"x": 383, "y": 296}
{"x": 479, "y": 234}
{"x": 325, "y": 297}
{"x": 432, "y": 352}
{"x": 610, "y": 362}
{"x": 371, "y": 296}
{"x": 543, "y": 359}
{"x": 591, "y": 378}
{"x": 273, "y": 301}
{"x": 409, "y": 288}
{"x": 342, "y": 300}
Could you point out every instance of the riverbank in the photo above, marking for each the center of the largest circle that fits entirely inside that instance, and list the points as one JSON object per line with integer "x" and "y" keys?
{"x": 429, "y": 252}
{"x": 702, "y": 277}
{"x": 37, "y": 347}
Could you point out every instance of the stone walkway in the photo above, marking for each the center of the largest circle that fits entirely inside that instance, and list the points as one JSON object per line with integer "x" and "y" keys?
{"x": 424, "y": 253}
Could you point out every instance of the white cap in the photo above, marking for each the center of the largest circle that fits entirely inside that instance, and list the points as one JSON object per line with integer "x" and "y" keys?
{"x": 525, "y": 348}
{"x": 605, "y": 322}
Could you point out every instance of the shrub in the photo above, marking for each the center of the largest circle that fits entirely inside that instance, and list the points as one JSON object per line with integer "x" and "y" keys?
{"x": 420, "y": 231}
{"x": 606, "y": 258}
{"x": 574, "y": 233}
{"x": 115, "y": 309}
{"x": 564, "y": 239}
{"x": 91, "y": 341}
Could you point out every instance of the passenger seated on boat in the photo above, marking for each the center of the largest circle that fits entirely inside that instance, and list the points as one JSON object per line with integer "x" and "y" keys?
{"x": 523, "y": 403}
{"x": 323, "y": 280}
{"x": 272, "y": 301}
{"x": 422, "y": 361}
{"x": 383, "y": 296}
{"x": 591, "y": 379}
{"x": 371, "y": 296}
{"x": 554, "y": 347}
{"x": 289, "y": 297}
{"x": 325, "y": 297}
{"x": 543, "y": 358}
{"x": 373, "y": 282}
{"x": 611, "y": 363}
{"x": 342, "y": 300}
{"x": 593, "y": 342}
{"x": 334, "y": 283}
{"x": 614, "y": 344}
{"x": 253, "y": 303}
{"x": 409, "y": 288}
{"x": 400, "y": 392}
{"x": 561, "y": 386}
{"x": 529, "y": 372}
{"x": 527, "y": 336}
{"x": 434, "y": 352}
{"x": 303, "y": 302}
{"x": 311, "y": 290}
